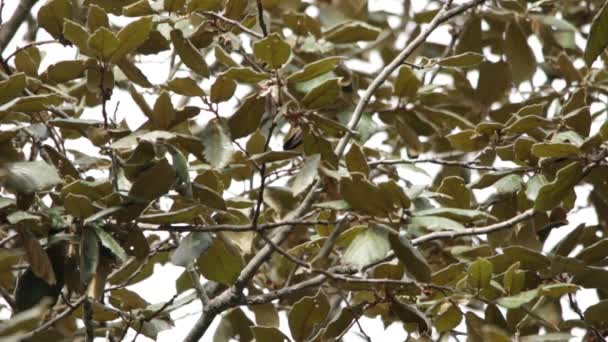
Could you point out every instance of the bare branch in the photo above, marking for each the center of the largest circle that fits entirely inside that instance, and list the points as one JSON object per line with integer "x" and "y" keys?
{"x": 234, "y": 23}
{"x": 459, "y": 163}
{"x": 8, "y": 29}
{"x": 261, "y": 17}
{"x": 452, "y": 234}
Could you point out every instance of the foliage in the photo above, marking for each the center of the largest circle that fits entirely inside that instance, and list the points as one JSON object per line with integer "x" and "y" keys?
{"x": 270, "y": 168}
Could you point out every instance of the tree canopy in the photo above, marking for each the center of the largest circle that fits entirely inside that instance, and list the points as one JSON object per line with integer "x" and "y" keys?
{"x": 314, "y": 160}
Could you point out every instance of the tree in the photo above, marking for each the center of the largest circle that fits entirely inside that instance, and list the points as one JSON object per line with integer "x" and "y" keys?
{"x": 423, "y": 193}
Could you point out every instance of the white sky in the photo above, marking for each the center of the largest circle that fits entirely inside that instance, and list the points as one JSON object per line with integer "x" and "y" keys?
{"x": 160, "y": 287}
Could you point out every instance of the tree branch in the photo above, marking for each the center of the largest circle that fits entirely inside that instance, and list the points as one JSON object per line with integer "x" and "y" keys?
{"x": 443, "y": 16}
{"x": 452, "y": 234}
{"x": 8, "y": 29}
{"x": 234, "y": 295}
{"x": 459, "y": 163}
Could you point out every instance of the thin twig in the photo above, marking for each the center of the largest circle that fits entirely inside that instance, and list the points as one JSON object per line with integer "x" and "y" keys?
{"x": 261, "y": 17}
{"x": 234, "y": 23}
{"x": 459, "y": 163}
{"x": 42, "y": 42}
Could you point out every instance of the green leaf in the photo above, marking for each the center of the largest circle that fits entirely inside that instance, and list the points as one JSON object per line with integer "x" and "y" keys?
{"x": 78, "y": 206}
{"x": 131, "y": 37}
{"x": 153, "y": 182}
{"x": 205, "y": 5}
{"x": 223, "y": 57}
{"x": 185, "y": 215}
{"x": 222, "y": 262}
{"x": 410, "y": 314}
{"x": 551, "y": 194}
{"x": 272, "y": 50}
{"x": 351, "y": 32}
{"x": 28, "y": 61}
{"x": 191, "y": 247}
{"x": 247, "y": 117}
{"x": 163, "y": 113}
{"x": 268, "y": 334}
{"x": 274, "y": 156}
{"x": 307, "y": 174}
{"x": 467, "y": 59}
{"x": 306, "y": 314}
{"x": 369, "y": 246}
{"x": 410, "y": 257}
{"x": 514, "y": 279}
{"x": 598, "y": 36}
{"x": 133, "y": 73}
{"x": 108, "y": 241}
{"x": 103, "y": 42}
{"x": 189, "y": 54}
{"x": 138, "y": 9}
{"x": 173, "y": 5}
{"x": 29, "y": 177}
{"x": 528, "y": 123}
{"x": 78, "y": 35}
{"x": 333, "y": 205}
{"x": 218, "y": 145}
{"x": 64, "y": 71}
{"x": 127, "y": 300}
{"x": 12, "y": 87}
{"x": 222, "y": 89}
{"x": 597, "y": 314}
{"x": 97, "y": 18}
{"x": 461, "y": 215}
{"x": 519, "y": 54}
{"x": 595, "y": 252}
{"x": 314, "y": 69}
{"x": 555, "y": 150}
{"x": 406, "y": 83}
{"x": 89, "y": 255}
{"x": 51, "y": 16}
{"x": 26, "y": 319}
{"x": 323, "y": 95}
{"x": 468, "y": 141}
{"x": 364, "y": 196}
{"x": 34, "y": 103}
{"x": 516, "y": 301}
{"x": 479, "y": 274}
{"x": 493, "y": 83}
{"x": 448, "y": 317}
{"x": 435, "y": 223}
{"x": 185, "y": 86}
{"x": 356, "y": 161}
{"x": 245, "y": 75}
{"x": 558, "y": 290}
